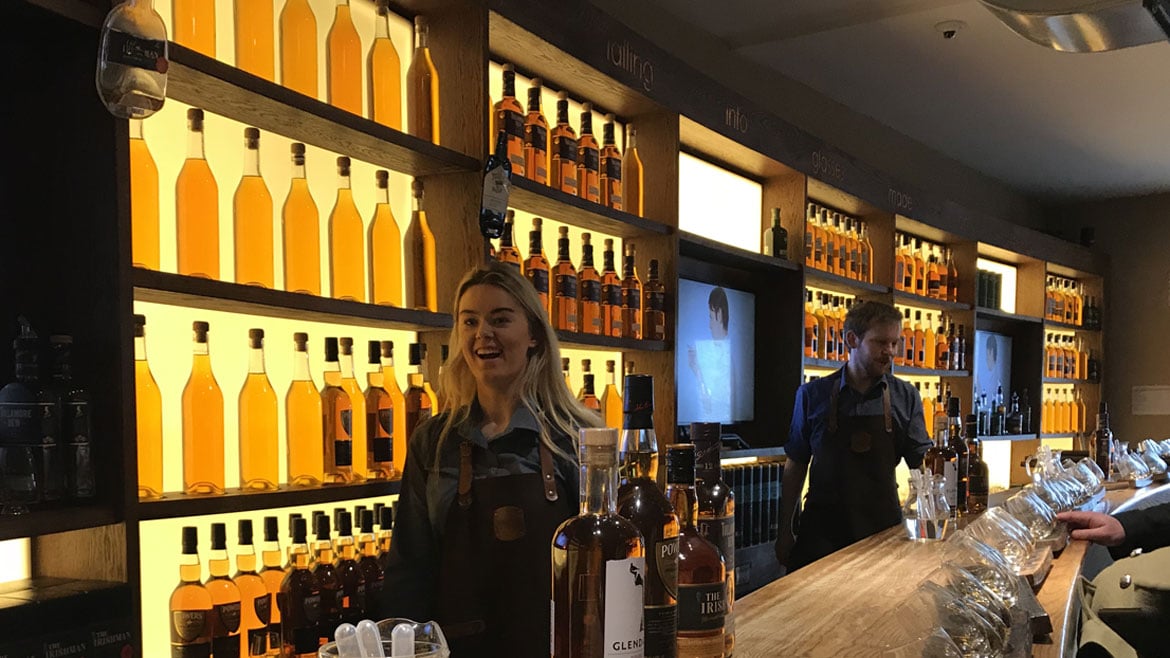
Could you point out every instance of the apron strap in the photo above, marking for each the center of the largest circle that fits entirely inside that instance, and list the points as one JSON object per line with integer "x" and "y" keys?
{"x": 465, "y": 474}
{"x": 886, "y": 409}
{"x": 547, "y": 474}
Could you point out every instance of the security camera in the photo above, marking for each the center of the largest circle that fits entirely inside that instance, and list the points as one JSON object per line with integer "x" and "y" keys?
{"x": 949, "y": 29}
{"x": 949, "y": 34}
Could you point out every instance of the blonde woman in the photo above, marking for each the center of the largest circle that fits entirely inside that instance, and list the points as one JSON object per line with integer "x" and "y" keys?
{"x": 487, "y": 482}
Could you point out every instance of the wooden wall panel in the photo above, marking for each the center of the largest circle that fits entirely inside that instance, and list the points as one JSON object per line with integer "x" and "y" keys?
{"x": 90, "y": 554}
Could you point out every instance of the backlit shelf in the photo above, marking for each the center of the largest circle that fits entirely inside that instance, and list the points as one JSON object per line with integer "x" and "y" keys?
{"x": 1052, "y": 324}
{"x": 577, "y": 339}
{"x": 1004, "y": 315}
{"x": 177, "y": 505}
{"x": 929, "y": 372}
{"x": 51, "y": 518}
{"x": 542, "y": 200}
{"x": 918, "y": 301}
{"x": 1010, "y": 437}
{"x": 825, "y": 364}
{"x": 1062, "y": 380}
{"x": 815, "y": 278}
{"x": 712, "y": 251}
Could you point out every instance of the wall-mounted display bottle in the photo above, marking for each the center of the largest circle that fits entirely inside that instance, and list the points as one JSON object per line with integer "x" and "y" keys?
{"x": 351, "y": 582}
{"x": 380, "y": 412}
{"x": 203, "y": 470}
{"x": 383, "y": 68}
{"x": 300, "y": 600}
{"x": 255, "y": 40}
{"x": 255, "y": 601}
{"x": 131, "y": 74}
{"x": 654, "y": 305}
{"x": 225, "y": 597}
{"x": 197, "y": 207}
{"x": 398, "y": 400}
{"x": 194, "y": 22}
{"x": 610, "y": 168}
{"x": 564, "y": 276}
{"x": 422, "y": 87}
{"x": 420, "y": 257}
{"x": 357, "y": 400}
{"x": 252, "y": 220}
{"x": 611, "y": 400}
{"x": 588, "y": 159}
{"x": 301, "y": 231}
{"x": 508, "y": 253}
{"x": 343, "y": 61}
{"x": 509, "y": 118}
{"x": 272, "y": 575}
{"x": 563, "y": 150}
{"x": 298, "y": 47}
{"x": 536, "y": 266}
{"x": 347, "y": 276}
{"x": 337, "y": 410}
{"x": 257, "y": 422}
{"x": 589, "y": 316}
{"x": 303, "y": 413}
{"x": 325, "y": 573}
{"x": 776, "y": 238}
{"x": 385, "y": 248}
{"x": 632, "y": 175}
{"x": 611, "y": 295}
{"x": 588, "y": 396}
{"x": 190, "y": 605}
{"x": 148, "y": 421}
{"x": 418, "y": 403}
{"x": 631, "y": 297}
{"x": 536, "y": 160}
{"x": 144, "y": 229}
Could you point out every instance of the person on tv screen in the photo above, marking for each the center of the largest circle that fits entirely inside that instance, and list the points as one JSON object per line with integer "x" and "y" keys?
{"x": 849, "y": 431}
{"x": 711, "y": 361}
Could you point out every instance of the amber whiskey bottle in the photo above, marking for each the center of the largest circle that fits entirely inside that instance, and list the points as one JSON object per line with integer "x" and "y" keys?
{"x": 252, "y": 215}
{"x": 641, "y": 501}
{"x": 302, "y": 409}
{"x": 343, "y": 61}
{"x": 632, "y": 175}
{"x": 563, "y": 153}
{"x": 300, "y": 601}
{"x": 398, "y": 400}
{"x": 589, "y": 317}
{"x": 259, "y": 455}
{"x": 301, "y": 232}
{"x": 144, "y": 229}
{"x": 611, "y": 295}
{"x": 611, "y": 400}
{"x": 716, "y": 516}
{"x": 508, "y": 253}
{"x": 654, "y": 305}
{"x": 536, "y": 267}
{"x": 599, "y": 568}
{"x": 328, "y": 580}
{"x": 351, "y": 580}
{"x": 420, "y": 257}
{"x": 385, "y": 247}
{"x": 203, "y": 471}
{"x": 190, "y": 605}
{"x": 958, "y": 444}
{"x": 702, "y": 573}
{"x": 536, "y": 160}
{"x": 379, "y": 418}
{"x": 940, "y": 459}
{"x": 225, "y": 597}
{"x": 194, "y": 22}
{"x": 418, "y": 403}
{"x": 385, "y": 532}
{"x": 422, "y": 87}
{"x": 588, "y": 159}
{"x": 337, "y": 413}
{"x": 255, "y": 601}
{"x": 866, "y": 254}
{"x": 977, "y": 473}
{"x": 509, "y": 118}
{"x": 347, "y": 275}
{"x": 631, "y": 297}
{"x": 610, "y": 168}
{"x": 587, "y": 395}
{"x": 298, "y": 47}
{"x": 197, "y": 207}
{"x": 565, "y": 286}
{"x": 357, "y": 402}
{"x": 372, "y": 573}
{"x": 272, "y": 575}
{"x": 383, "y": 68}
{"x": 148, "y": 420}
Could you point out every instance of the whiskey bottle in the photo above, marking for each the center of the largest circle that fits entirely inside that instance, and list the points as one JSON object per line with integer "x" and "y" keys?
{"x": 1014, "y": 423}
{"x": 563, "y": 154}
{"x": 944, "y": 278}
{"x": 589, "y": 317}
{"x": 29, "y": 430}
{"x": 611, "y": 400}
{"x": 536, "y": 267}
{"x": 610, "y": 168}
{"x": 830, "y": 241}
{"x": 298, "y": 47}
{"x": 942, "y": 348}
{"x": 420, "y": 257}
{"x": 255, "y": 41}
{"x": 300, "y": 224}
{"x": 257, "y": 422}
{"x": 422, "y": 87}
{"x": 959, "y": 350}
{"x": 843, "y": 249}
{"x": 941, "y": 460}
{"x": 509, "y": 117}
{"x": 998, "y": 414}
{"x": 357, "y": 401}
{"x": 633, "y": 175}
{"x": 810, "y": 218}
{"x": 197, "y": 207}
{"x": 957, "y": 445}
{"x": 69, "y": 466}
{"x": 702, "y": 574}
{"x": 900, "y": 262}
{"x": 252, "y": 215}
{"x": 255, "y": 601}
{"x": 347, "y": 276}
{"x": 933, "y": 276}
{"x": 203, "y": 471}
{"x": 919, "y": 341}
{"x": 195, "y": 25}
{"x": 328, "y": 580}
{"x": 536, "y": 161}
{"x": 418, "y": 403}
{"x": 811, "y": 328}
{"x": 929, "y": 343}
{"x": 367, "y": 561}
{"x": 383, "y": 69}
{"x": 565, "y": 372}
{"x": 350, "y": 577}
{"x": 385, "y": 533}
{"x": 300, "y": 600}
{"x": 907, "y": 339}
{"x": 343, "y": 61}
{"x": 302, "y": 409}
{"x": 654, "y": 305}
{"x": 272, "y": 576}
{"x": 588, "y": 159}
{"x": 131, "y": 74}
{"x": 853, "y": 226}
{"x": 379, "y": 419}
{"x": 631, "y": 297}
{"x": 148, "y": 418}
{"x": 385, "y": 247}
{"x": 716, "y": 519}
{"x": 338, "y": 413}
{"x": 641, "y": 501}
{"x": 508, "y": 253}
{"x": 588, "y": 397}
{"x": 977, "y": 474}
{"x": 776, "y": 238}
{"x": 398, "y": 401}
{"x": 921, "y": 268}
{"x": 866, "y": 254}
{"x": 435, "y": 407}
{"x": 611, "y": 295}
{"x": 190, "y": 605}
{"x": 599, "y": 565}
{"x": 225, "y": 598}
{"x": 565, "y": 286}
{"x": 1103, "y": 441}
{"x": 144, "y": 229}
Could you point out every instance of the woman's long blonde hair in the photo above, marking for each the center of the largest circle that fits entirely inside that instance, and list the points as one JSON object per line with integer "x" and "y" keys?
{"x": 541, "y": 386}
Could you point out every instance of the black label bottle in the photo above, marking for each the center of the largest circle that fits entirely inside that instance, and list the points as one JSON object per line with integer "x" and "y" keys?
{"x": 716, "y": 511}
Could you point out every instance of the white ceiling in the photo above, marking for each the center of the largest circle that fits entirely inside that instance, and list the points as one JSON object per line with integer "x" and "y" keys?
{"x": 1050, "y": 124}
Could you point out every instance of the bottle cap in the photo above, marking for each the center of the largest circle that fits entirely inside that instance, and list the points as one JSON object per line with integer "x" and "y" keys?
{"x": 585, "y": 365}
{"x": 330, "y": 349}
{"x": 322, "y": 525}
{"x": 378, "y": 510}
{"x": 706, "y": 434}
{"x": 509, "y": 68}
{"x": 292, "y": 517}
{"x": 420, "y": 21}
{"x": 200, "y": 329}
{"x": 386, "y": 518}
{"x": 190, "y": 540}
{"x": 297, "y": 148}
{"x": 382, "y": 177}
{"x": 139, "y": 324}
{"x": 344, "y": 524}
{"x": 373, "y": 352}
{"x": 301, "y": 340}
{"x": 357, "y": 514}
{"x": 416, "y": 354}
{"x": 367, "y": 522}
{"x": 244, "y": 532}
{"x": 271, "y": 529}
{"x": 416, "y": 187}
{"x": 387, "y": 349}
{"x": 218, "y": 537}
{"x": 299, "y": 533}
{"x": 346, "y": 344}
{"x": 680, "y": 464}
{"x": 343, "y": 165}
{"x": 562, "y": 96}
{"x": 252, "y": 135}
{"x": 444, "y": 352}
{"x": 195, "y": 118}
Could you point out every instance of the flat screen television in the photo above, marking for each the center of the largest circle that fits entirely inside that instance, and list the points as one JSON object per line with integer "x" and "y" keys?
{"x": 715, "y": 354}
{"x": 992, "y": 364}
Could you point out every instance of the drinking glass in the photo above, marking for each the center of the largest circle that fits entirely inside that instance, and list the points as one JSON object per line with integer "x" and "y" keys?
{"x": 985, "y": 563}
{"x": 1031, "y": 510}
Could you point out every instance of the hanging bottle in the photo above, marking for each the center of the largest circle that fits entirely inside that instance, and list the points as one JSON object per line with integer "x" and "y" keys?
{"x": 131, "y": 75}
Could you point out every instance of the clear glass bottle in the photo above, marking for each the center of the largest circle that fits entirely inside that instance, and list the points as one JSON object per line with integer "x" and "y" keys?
{"x": 385, "y": 248}
{"x": 131, "y": 76}
{"x": 298, "y": 47}
{"x": 398, "y": 400}
{"x": 144, "y": 227}
{"x": 303, "y": 413}
{"x": 343, "y": 61}
{"x": 273, "y": 575}
{"x": 422, "y": 87}
{"x": 301, "y": 231}
{"x": 420, "y": 257}
{"x": 197, "y": 207}
{"x": 632, "y": 175}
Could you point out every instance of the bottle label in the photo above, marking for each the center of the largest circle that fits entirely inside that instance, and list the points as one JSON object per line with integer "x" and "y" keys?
{"x": 591, "y": 291}
{"x": 589, "y": 158}
{"x": 632, "y": 298}
{"x": 702, "y": 607}
{"x": 613, "y": 169}
{"x": 623, "y": 608}
{"x": 660, "y": 629}
{"x": 539, "y": 279}
{"x": 496, "y": 188}
{"x": 257, "y": 642}
{"x": 951, "y": 483}
{"x": 808, "y": 246}
{"x": 29, "y": 423}
{"x": 262, "y": 605}
{"x": 656, "y": 301}
{"x": 536, "y": 137}
{"x": 567, "y": 286}
{"x": 189, "y": 625}
{"x": 77, "y": 420}
{"x": 201, "y": 650}
{"x": 566, "y": 149}
{"x": 343, "y": 452}
{"x": 383, "y": 449}
{"x": 129, "y": 50}
{"x": 274, "y": 640}
{"x": 346, "y": 423}
{"x": 720, "y": 530}
{"x": 226, "y": 619}
{"x": 666, "y": 561}
{"x": 612, "y": 294}
{"x": 513, "y": 124}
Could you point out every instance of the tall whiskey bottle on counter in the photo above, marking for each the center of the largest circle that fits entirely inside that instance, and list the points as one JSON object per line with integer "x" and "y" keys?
{"x": 357, "y": 400}
{"x": 611, "y": 295}
{"x": 203, "y": 471}
{"x": 197, "y": 207}
{"x": 631, "y": 297}
{"x": 194, "y": 22}
{"x": 148, "y": 410}
{"x": 300, "y": 601}
{"x": 390, "y": 382}
{"x": 347, "y": 275}
{"x": 1103, "y": 441}
{"x": 420, "y": 257}
{"x": 190, "y": 607}
{"x": 302, "y": 409}
{"x": 958, "y": 445}
{"x": 536, "y": 267}
{"x": 255, "y": 601}
{"x": 298, "y": 47}
{"x": 272, "y": 575}
{"x": 563, "y": 150}
{"x": 654, "y": 305}
{"x": 351, "y": 581}
{"x": 588, "y": 159}
{"x": 599, "y": 567}
{"x": 144, "y": 236}
{"x": 977, "y": 473}
{"x": 643, "y": 503}
{"x": 941, "y": 460}
{"x": 611, "y": 400}
{"x": 632, "y": 174}
{"x": 385, "y": 248}
{"x": 610, "y": 167}
{"x": 589, "y": 292}
{"x": 384, "y": 72}
{"x": 259, "y": 455}
{"x": 301, "y": 231}
{"x": 337, "y": 412}
{"x": 702, "y": 574}
{"x": 418, "y": 403}
{"x": 422, "y": 87}
{"x": 343, "y": 61}
{"x": 225, "y": 597}
{"x": 716, "y": 520}
{"x": 535, "y": 137}
{"x": 252, "y": 215}
{"x": 565, "y": 290}
{"x": 509, "y": 117}
{"x": 508, "y": 253}
{"x": 379, "y": 418}
{"x": 255, "y": 41}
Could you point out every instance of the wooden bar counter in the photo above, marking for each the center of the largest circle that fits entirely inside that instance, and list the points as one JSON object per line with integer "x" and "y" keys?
{"x": 824, "y": 609}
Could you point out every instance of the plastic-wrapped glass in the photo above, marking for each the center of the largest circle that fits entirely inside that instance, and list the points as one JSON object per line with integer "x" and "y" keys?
{"x": 429, "y": 641}
{"x": 968, "y": 629}
{"x": 985, "y": 563}
{"x": 131, "y": 75}
{"x": 1004, "y": 533}
{"x": 1132, "y": 468}
{"x": 1031, "y": 510}
{"x": 911, "y": 629}
{"x": 967, "y": 586}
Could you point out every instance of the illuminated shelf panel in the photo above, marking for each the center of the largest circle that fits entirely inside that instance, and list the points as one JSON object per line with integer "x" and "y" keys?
{"x": 1075, "y": 382}
{"x": 827, "y": 281}
{"x": 179, "y": 290}
{"x": 577, "y": 339}
{"x": 823, "y": 364}
{"x": 50, "y": 518}
{"x": 544, "y": 201}
{"x": 929, "y": 372}
{"x": 1004, "y": 315}
{"x": 1050, "y": 324}
{"x": 209, "y": 84}
{"x": 1059, "y": 435}
{"x": 711, "y": 251}
{"x": 1010, "y": 437}
{"x": 175, "y": 505}
{"x": 918, "y": 301}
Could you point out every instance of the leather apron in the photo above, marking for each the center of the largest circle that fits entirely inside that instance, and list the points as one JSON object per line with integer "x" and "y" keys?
{"x": 853, "y": 474}
{"x": 495, "y": 574}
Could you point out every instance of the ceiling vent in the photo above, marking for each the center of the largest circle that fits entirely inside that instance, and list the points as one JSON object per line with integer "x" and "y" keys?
{"x": 1082, "y": 26}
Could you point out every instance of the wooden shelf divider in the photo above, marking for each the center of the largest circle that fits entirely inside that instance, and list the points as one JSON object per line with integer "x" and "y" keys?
{"x": 1064, "y": 326}
{"x": 911, "y": 299}
{"x": 929, "y": 372}
{"x": 578, "y": 339}
{"x": 1003, "y": 315}
{"x": 544, "y": 201}
{"x": 177, "y": 505}
{"x": 815, "y": 278}
{"x": 54, "y": 518}
{"x": 712, "y": 251}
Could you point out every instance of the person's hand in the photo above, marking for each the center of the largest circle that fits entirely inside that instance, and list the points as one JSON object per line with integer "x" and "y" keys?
{"x": 1096, "y": 527}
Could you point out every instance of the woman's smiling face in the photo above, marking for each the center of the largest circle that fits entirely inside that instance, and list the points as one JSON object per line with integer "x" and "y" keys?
{"x": 494, "y": 334}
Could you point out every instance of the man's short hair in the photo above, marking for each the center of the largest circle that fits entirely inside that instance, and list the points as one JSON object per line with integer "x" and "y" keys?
{"x": 866, "y": 315}
{"x": 717, "y": 301}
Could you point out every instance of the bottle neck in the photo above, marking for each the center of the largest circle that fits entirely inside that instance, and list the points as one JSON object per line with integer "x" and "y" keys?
{"x": 190, "y": 570}
{"x": 383, "y": 195}
{"x": 421, "y": 35}
{"x": 562, "y": 113}
{"x": 140, "y": 348}
{"x": 416, "y": 205}
{"x": 586, "y": 256}
{"x": 632, "y": 140}
{"x": 685, "y": 502}
{"x": 299, "y": 556}
{"x": 270, "y": 554}
{"x": 509, "y": 84}
{"x": 298, "y": 168}
{"x": 599, "y": 486}
{"x": 535, "y": 245}
{"x": 195, "y": 144}
{"x": 332, "y": 373}
{"x": 256, "y": 361}
{"x": 534, "y": 99}
{"x": 199, "y": 348}
{"x": 382, "y": 24}
{"x": 343, "y": 184}
{"x": 415, "y": 379}
{"x": 586, "y": 124}
{"x": 374, "y": 376}
{"x": 323, "y": 551}
{"x": 346, "y": 548}
{"x": 346, "y": 362}
{"x": 588, "y": 386}
{"x": 367, "y": 544}
{"x": 246, "y": 559}
{"x": 639, "y": 454}
{"x": 135, "y": 128}
{"x": 385, "y": 536}
{"x": 506, "y": 236}
{"x": 629, "y": 271}
{"x": 252, "y": 162}
{"x": 563, "y": 250}
{"x": 217, "y": 563}
{"x": 301, "y": 366}
{"x": 607, "y": 258}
